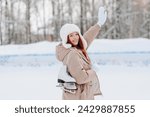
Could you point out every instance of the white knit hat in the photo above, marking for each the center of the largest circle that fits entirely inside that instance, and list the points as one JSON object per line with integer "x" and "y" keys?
{"x": 66, "y": 30}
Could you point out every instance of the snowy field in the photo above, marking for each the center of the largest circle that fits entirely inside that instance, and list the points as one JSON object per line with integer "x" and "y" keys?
{"x": 30, "y": 71}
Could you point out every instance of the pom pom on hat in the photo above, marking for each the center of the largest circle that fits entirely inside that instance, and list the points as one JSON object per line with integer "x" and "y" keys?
{"x": 66, "y": 30}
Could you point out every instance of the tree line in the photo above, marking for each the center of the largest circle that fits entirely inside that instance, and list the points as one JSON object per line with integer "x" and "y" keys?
{"x": 29, "y": 21}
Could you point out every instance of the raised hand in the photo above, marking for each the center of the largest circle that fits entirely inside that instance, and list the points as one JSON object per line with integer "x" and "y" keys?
{"x": 102, "y": 16}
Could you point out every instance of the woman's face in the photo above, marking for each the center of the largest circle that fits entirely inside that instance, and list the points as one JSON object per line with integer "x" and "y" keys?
{"x": 74, "y": 38}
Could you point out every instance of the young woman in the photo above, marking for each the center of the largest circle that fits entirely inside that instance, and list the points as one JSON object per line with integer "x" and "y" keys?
{"x": 73, "y": 53}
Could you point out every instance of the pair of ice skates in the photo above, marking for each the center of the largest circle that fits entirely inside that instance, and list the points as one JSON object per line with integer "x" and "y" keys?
{"x": 65, "y": 81}
{"x": 67, "y": 86}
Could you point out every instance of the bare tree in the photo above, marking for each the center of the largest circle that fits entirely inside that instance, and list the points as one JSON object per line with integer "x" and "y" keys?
{"x": 1, "y": 37}
{"x": 145, "y": 27}
{"x": 93, "y": 11}
{"x": 28, "y": 25}
{"x": 81, "y": 15}
{"x": 55, "y": 19}
{"x": 44, "y": 23}
{"x": 6, "y": 22}
{"x": 12, "y": 25}
{"x": 70, "y": 10}
{"x": 37, "y": 15}
{"x": 18, "y": 37}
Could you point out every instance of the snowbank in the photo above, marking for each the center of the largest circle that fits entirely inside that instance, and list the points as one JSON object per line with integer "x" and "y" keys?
{"x": 98, "y": 46}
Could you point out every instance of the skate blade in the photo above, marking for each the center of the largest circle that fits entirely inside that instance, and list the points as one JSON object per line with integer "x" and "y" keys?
{"x": 69, "y": 91}
{"x": 71, "y": 86}
{"x": 59, "y": 85}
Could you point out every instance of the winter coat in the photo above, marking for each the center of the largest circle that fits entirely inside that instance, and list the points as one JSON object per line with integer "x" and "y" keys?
{"x": 79, "y": 68}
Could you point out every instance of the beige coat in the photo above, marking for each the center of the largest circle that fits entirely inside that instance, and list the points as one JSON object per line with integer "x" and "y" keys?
{"x": 79, "y": 68}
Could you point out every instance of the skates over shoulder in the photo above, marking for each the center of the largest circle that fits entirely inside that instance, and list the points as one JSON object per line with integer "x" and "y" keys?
{"x": 65, "y": 81}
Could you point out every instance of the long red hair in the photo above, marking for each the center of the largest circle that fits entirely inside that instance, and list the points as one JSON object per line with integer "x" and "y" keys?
{"x": 79, "y": 46}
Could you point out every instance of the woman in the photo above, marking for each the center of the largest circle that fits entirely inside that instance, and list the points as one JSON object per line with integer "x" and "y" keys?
{"x": 72, "y": 52}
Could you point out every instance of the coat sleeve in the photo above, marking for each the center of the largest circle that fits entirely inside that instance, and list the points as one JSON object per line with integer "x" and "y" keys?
{"x": 76, "y": 69}
{"x": 91, "y": 33}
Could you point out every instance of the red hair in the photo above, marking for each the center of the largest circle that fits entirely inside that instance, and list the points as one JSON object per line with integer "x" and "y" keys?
{"x": 79, "y": 46}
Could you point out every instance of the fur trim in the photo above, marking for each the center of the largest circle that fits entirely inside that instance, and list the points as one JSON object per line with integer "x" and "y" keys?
{"x": 66, "y": 30}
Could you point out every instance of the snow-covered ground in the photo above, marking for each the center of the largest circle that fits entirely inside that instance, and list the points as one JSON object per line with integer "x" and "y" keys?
{"x": 30, "y": 71}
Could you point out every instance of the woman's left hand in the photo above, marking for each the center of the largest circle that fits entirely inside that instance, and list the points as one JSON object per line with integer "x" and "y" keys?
{"x": 102, "y": 16}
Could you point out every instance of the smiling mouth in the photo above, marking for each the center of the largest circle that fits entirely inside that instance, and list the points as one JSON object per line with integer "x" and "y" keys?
{"x": 74, "y": 41}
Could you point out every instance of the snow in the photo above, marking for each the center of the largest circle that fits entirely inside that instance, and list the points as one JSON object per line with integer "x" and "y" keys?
{"x": 98, "y": 46}
{"x": 125, "y": 45}
{"x": 35, "y": 48}
{"x": 30, "y": 71}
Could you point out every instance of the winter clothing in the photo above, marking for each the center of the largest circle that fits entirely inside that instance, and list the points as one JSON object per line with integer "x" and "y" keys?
{"x": 102, "y": 16}
{"x": 80, "y": 68}
{"x": 66, "y": 30}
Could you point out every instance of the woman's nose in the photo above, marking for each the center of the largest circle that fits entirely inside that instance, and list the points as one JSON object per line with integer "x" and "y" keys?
{"x": 75, "y": 37}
